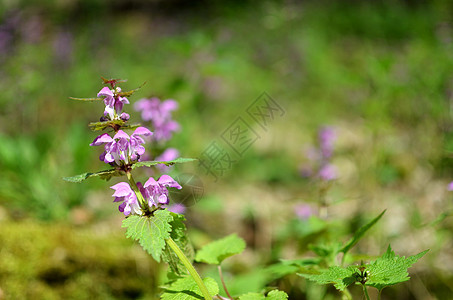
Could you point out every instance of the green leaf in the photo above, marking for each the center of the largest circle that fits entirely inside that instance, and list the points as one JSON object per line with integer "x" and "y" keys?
{"x": 129, "y": 93}
{"x": 252, "y": 296}
{"x": 115, "y": 124}
{"x": 272, "y": 295}
{"x": 178, "y": 234}
{"x": 286, "y": 267}
{"x": 151, "y": 232}
{"x": 187, "y": 289}
{"x": 217, "y": 251}
{"x": 167, "y": 163}
{"x": 390, "y": 269}
{"x": 86, "y": 99}
{"x": 359, "y": 233}
{"x": 106, "y": 174}
{"x": 340, "y": 277}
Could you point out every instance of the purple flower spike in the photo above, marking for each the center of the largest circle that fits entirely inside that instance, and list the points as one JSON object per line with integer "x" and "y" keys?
{"x": 159, "y": 113}
{"x": 124, "y": 193}
{"x": 122, "y": 148}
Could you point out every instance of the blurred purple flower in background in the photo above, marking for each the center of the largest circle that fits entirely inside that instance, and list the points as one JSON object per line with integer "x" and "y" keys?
{"x": 168, "y": 154}
{"x": 159, "y": 114}
{"x": 122, "y": 148}
{"x": 450, "y": 186}
{"x": 124, "y": 193}
{"x": 177, "y": 208}
{"x": 319, "y": 158}
{"x": 303, "y": 211}
{"x": 327, "y": 138}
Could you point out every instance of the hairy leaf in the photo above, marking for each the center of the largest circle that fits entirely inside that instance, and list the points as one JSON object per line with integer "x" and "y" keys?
{"x": 167, "y": 163}
{"x": 340, "y": 277}
{"x": 359, "y": 233}
{"x": 187, "y": 289}
{"x": 178, "y": 234}
{"x": 106, "y": 174}
{"x": 151, "y": 232}
{"x": 390, "y": 269}
{"x": 217, "y": 251}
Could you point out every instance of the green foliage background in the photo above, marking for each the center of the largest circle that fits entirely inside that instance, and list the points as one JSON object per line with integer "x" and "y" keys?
{"x": 380, "y": 73}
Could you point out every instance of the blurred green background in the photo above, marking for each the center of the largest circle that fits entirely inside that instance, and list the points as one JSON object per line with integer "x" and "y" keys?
{"x": 380, "y": 73}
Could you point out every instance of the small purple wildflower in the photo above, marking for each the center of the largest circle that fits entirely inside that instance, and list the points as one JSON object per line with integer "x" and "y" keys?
{"x": 159, "y": 114}
{"x": 156, "y": 192}
{"x": 124, "y": 193}
{"x": 122, "y": 148}
{"x": 167, "y": 155}
{"x": 112, "y": 103}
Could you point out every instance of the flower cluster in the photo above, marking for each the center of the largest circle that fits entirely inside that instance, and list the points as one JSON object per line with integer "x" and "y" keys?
{"x": 320, "y": 158}
{"x": 159, "y": 114}
{"x": 113, "y": 103}
{"x": 122, "y": 148}
{"x": 154, "y": 192}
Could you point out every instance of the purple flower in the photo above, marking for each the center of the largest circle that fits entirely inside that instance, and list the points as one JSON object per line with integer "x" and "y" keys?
{"x": 177, "y": 208}
{"x": 167, "y": 155}
{"x": 124, "y": 193}
{"x": 450, "y": 186}
{"x": 159, "y": 113}
{"x": 327, "y": 138}
{"x": 112, "y": 103}
{"x": 328, "y": 172}
{"x": 122, "y": 148}
{"x": 156, "y": 192}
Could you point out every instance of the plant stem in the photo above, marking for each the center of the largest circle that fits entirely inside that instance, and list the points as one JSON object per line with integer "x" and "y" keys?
{"x": 365, "y": 292}
{"x": 346, "y": 294}
{"x": 190, "y": 268}
{"x": 134, "y": 187}
{"x": 223, "y": 282}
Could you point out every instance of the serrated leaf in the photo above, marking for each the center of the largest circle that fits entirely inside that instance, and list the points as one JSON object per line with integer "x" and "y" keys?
{"x": 217, "y": 251}
{"x": 340, "y": 277}
{"x": 277, "y": 295}
{"x": 178, "y": 234}
{"x": 106, "y": 174}
{"x": 286, "y": 267}
{"x": 359, "y": 233}
{"x": 86, "y": 99}
{"x": 151, "y": 232}
{"x": 272, "y": 295}
{"x": 390, "y": 269}
{"x": 187, "y": 289}
{"x": 167, "y": 163}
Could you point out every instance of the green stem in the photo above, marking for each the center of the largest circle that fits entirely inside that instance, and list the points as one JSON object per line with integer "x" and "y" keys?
{"x": 346, "y": 294}
{"x": 140, "y": 198}
{"x": 365, "y": 292}
{"x": 190, "y": 268}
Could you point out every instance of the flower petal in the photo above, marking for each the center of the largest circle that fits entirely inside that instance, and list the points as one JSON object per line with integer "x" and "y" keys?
{"x": 151, "y": 181}
{"x": 142, "y": 131}
{"x": 166, "y": 180}
{"x": 102, "y": 139}
{"x": 106, "y": 92}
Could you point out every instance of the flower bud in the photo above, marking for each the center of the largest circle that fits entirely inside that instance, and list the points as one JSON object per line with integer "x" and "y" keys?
{"x": 125, "y": 116}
